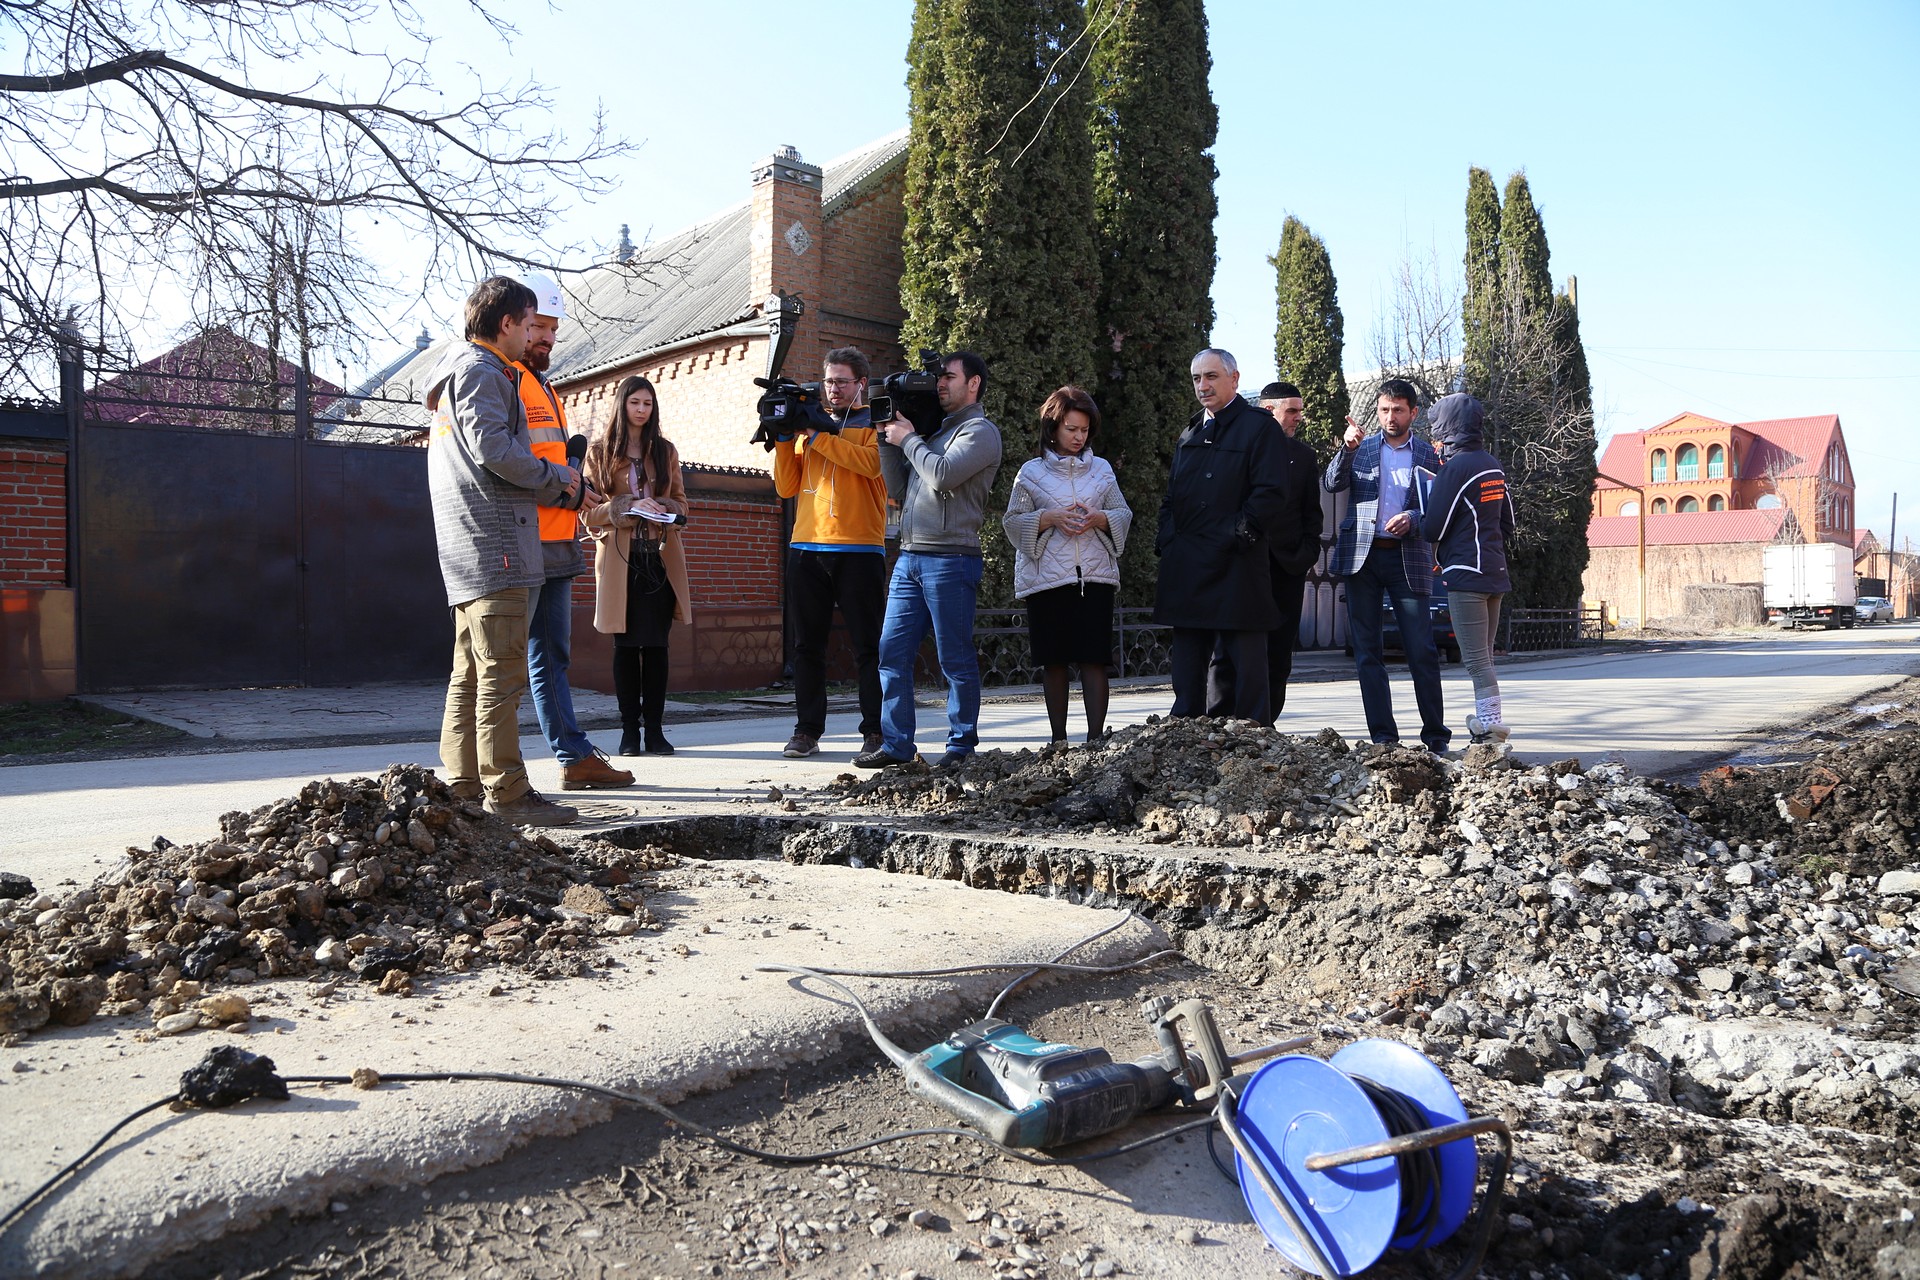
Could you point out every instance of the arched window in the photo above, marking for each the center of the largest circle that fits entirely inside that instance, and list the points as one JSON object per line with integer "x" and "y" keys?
{"x": 1629, "y": 508}
{"x": 1659, "y": 466}
{"x": 1767, "y": 502}
{"x": 1716, "y": 502}
{"x": 1686, "y": 462}
{"x": 1716, "y": 462}
{"x": 1659, "y": 507}
{"x": 1686, "y": 506}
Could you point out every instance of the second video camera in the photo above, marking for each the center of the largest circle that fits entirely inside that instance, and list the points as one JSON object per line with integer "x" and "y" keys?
{"x": 913, "y": 395}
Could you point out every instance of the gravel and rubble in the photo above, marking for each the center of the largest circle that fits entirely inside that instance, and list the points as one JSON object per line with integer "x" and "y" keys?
{"x": 373, "y": 879}
{"x": 1573, "y": 928}
{"x": 1696, "y": 1003}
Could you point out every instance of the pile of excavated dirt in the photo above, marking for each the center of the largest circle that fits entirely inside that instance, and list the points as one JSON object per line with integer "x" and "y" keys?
{"x": 1210, "y": 782}
{"x": 1854, "y": 809}
{"x": 1572, "y": 928}
{"x": 379, "y": 878}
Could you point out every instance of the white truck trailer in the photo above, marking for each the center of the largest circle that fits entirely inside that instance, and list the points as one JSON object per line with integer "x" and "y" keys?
{"x": 1808, "y": 585}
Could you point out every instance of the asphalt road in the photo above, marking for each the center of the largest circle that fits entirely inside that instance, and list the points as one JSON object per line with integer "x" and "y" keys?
{"x": 1662, "y": 710}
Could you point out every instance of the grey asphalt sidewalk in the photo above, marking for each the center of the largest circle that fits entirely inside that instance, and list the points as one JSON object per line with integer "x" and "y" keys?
{"x": 411, "y": 712}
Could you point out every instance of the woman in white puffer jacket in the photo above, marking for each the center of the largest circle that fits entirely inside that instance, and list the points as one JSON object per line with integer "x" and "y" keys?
{"x": 1068, "y": 525}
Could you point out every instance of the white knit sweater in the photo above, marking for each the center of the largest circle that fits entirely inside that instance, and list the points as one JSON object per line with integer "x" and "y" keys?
{"x": 1045, "y": 559}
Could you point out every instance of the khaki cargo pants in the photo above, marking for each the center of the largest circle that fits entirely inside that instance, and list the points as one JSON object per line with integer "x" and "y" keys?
{"x": 480, "y": 734}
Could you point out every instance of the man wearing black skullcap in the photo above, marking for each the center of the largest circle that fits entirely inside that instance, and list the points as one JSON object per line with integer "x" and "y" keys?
{"x": 1293, "y": 547}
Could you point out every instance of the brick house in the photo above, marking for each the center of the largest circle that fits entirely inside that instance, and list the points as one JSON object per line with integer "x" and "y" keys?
{"x": 687, "y": 313}
{"x": 1716, "y": 493}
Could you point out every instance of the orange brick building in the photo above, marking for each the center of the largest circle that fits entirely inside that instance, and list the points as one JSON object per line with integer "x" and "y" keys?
{"x": 1716, "y": 493}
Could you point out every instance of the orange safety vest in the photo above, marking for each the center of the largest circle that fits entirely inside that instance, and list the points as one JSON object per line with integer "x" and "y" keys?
{"x": 547, "y": 426}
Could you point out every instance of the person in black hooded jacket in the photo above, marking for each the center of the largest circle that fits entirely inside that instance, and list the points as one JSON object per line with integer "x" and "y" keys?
{"x": 1468, "y": 517}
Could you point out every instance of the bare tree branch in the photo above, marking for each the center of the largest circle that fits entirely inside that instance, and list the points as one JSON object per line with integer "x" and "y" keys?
{"x": 143, "y": 158}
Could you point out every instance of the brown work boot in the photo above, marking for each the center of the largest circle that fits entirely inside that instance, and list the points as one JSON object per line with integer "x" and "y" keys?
{"x": 594, "y": 771}
{"x": 531, "y": 809}
{"x": 800, "y": 746}
{"x": 470, "y": 789}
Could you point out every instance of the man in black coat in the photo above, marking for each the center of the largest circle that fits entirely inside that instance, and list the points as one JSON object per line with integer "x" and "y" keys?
{"x": 1294, "y": 544}
{"x": 1224, "y": 492}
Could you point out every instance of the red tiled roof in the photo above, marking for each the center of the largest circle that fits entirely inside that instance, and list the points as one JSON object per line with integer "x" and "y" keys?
{"x": 1694, "y": 527}
{"x": 1622, "y": 458}
{"x": 1805, "y": 440}
{"x": 1799, "y": 445}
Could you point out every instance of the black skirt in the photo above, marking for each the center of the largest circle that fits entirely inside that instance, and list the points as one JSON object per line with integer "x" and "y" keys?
{"x": 650, "y": 598}
{"x": 1070, "y": 624}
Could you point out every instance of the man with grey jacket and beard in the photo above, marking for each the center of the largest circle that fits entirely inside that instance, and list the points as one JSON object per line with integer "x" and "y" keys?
{"x": 941, "y": 482}
{"x": 485, "y": 485}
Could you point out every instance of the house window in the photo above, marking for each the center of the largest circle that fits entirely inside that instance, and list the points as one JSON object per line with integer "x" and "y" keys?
{"x": 1659, "y": 507}
{"x": 1716, "y": 503}
{"x": 1686, "y": 463}
{"x": 1629, "y": 508}
{"x": 1686, "y": 506}
{"x": 1716, "y": 462}
{"x": 1659, "y": 466}
{"x": 1767, "y": 502}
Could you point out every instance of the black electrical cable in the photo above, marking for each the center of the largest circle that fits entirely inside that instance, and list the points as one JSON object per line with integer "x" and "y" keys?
{"x": 1032, "y": 966}
{"x": 658, "y": 1108}
{"x": 81, "y": 1159}
{"x": 1011, "y": 987}
{"x": 1419, "y": 1171}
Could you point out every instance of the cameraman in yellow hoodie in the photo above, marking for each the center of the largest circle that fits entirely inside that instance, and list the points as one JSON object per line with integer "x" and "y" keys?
{"x": 838, "y": 554}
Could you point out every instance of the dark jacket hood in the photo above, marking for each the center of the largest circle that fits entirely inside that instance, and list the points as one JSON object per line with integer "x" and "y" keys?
{"x": 1455, "y": 421}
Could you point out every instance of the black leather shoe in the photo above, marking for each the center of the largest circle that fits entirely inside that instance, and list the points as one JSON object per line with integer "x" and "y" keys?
{"x": 953, "y": 759}
{"x": 878, "y": 758}
{"x": 629, "y": 742}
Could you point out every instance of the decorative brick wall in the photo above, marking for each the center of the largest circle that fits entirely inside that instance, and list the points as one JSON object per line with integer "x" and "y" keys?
{"x": 36, "y": 605}
{"x": 33, "y": 517}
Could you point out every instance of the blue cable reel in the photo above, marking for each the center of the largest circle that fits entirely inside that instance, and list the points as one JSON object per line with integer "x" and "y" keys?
{"x": 1340, "y": 1160}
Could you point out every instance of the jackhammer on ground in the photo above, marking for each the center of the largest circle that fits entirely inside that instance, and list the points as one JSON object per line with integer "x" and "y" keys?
{"x": 1337, "y": 1160}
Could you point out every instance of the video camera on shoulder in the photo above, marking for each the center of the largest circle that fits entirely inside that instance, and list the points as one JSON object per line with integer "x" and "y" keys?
{"x": 788, "y": 408}
{"x": 912, "y": 395}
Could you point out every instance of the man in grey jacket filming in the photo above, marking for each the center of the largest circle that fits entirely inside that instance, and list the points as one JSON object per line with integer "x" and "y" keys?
{"x": 485, "y": 484}
{"x": 941, "y": 482}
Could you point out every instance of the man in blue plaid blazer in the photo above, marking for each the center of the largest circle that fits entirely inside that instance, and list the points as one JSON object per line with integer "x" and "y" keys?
{"x": 1383, "y": 560}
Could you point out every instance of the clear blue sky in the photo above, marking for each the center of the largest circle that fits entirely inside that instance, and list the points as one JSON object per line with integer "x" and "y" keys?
{"x": 1733, "y": 183}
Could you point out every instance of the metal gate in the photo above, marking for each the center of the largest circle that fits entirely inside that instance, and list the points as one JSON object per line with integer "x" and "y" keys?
{"x": 220, "y": 544}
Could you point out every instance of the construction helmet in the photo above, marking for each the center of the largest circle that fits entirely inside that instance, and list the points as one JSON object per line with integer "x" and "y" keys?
{"x": 548, "y": 300}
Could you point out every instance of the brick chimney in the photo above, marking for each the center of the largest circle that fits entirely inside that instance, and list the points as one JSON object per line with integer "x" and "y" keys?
{"x": 787, "y": 238}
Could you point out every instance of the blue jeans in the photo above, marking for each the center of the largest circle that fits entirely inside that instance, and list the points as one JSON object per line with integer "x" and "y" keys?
{"x": 937, "y": 593}
{"x": 1385, "y": 575}
{"x": 549, "y": 639}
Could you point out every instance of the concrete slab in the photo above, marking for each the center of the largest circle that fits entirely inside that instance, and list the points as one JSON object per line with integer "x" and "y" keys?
{"x": 664, "y": 1023}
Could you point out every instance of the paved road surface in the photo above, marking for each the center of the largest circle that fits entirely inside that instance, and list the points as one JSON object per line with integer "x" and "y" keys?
{"x": 1661, "y": 710}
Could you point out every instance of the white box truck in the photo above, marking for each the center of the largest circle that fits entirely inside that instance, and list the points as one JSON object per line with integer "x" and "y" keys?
{"x": 1808, "y": 585}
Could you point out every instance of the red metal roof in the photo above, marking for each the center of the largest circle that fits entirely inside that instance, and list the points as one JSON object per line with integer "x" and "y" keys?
{"x": 1694, "y": 527}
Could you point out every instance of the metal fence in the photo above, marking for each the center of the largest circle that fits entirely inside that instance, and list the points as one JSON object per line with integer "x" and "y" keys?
{"x": 1531, "y": 630}
{"x": 1142, "y": 647}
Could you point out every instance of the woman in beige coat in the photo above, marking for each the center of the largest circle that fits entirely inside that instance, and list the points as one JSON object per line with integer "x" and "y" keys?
{"x": 639, "y": 566}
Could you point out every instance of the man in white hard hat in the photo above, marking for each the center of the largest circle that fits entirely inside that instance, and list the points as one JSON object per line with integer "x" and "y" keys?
{"x": 583, "y": 766}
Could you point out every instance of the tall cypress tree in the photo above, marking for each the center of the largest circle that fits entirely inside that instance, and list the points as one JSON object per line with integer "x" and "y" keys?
{"x": 1525, "y": 362}
{"x": 1310, "y": 337}
{"x": 999, "y": 240}
{"x": 1153, "y": 122}
{"x": 1563, "y": 560}
{"x": 1480, "y": 308}
{"x": 1523, "y": 248}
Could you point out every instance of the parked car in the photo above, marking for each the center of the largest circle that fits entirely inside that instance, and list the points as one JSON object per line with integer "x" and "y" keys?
{"x": 1873, "y": 609}
{"x": 1443, "y": 638}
